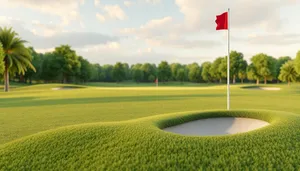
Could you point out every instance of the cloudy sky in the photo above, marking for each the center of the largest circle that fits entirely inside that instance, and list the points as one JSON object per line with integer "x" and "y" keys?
{"x": 137, "y": 31}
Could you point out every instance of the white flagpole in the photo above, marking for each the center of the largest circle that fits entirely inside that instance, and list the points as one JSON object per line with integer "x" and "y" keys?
{"x": 228, "y": 63}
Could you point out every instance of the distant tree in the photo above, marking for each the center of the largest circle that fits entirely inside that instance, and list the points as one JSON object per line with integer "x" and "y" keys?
{"x": 164, "y": 71}
{"x": 297, "y": 62}
{"x": 137, "y": 72}
{"x": 174, "y": 69}
{"x": 126, "y": 69}
{"x": 51, "y": 67}
{"x": 70, "y": 62}
{"x": 37, "y": 61}
{"x": 194, "y": 73}
{"x": 242, "y": 73}
{"x": 288, "y": 72}
{"x": 236, "y": 64}
{"x": 96, "y": 71}
{"x": 181, "y": 75}
{"x": 252, "y": 73}
{"x": 206, "y": 76}
{"x": 1, "y": 59}
{"x": 119, "y": 72}
{"x": 264, "y": 65}
{"x": 149, "y": 71}
{"x": 85, "y": 73}
{"x": 223, "y": 67}
{"x": 107, "y": 71}
{"x": 17, "y": 58}
{"x": 215, "y": 71}
{"x": 279, "y": 62}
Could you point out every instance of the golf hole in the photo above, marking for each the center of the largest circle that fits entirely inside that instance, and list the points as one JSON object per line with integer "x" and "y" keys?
{"x": 217, "y": 126}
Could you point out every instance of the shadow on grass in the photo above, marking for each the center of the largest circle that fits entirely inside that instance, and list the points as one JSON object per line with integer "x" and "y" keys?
{"x": 32, "y": 101}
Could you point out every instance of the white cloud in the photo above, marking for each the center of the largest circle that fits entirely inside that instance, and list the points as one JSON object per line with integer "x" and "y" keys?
{"x": 82, "y": 2}
{"x": 274, "y": 39}
{"x": 102, "y": 47}
{"x": 100, "y": 17}
{"x": 44, "y": 50}
{"x": 128, "y": 3}
{"x": 68, "y": 10}
{"x": 153, "y": 1}
{"x": 97, "y": 3}
{"x": 46, "y": 30}
{"x": 201, "y": 14}
{"x": 164, "y": 33}
{"x": 111, "y": 12}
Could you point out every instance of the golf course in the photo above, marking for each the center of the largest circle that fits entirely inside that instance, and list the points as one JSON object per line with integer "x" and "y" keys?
{"x": 106, "y": 127}
{"x": 149, "y": 85}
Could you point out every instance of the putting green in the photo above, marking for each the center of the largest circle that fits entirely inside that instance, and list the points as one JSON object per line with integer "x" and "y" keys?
{"x": 141, "y": 144}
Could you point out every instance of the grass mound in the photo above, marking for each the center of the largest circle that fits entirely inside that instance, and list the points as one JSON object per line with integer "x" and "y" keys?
{"x": 141, "y": 145}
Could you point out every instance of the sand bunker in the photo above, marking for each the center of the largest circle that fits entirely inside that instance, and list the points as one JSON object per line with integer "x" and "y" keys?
{"x": 217, "y": 126}
{"x": 63, "y": 88}
{"x": 270, "y": 88}
{"x": 263, "y": 88}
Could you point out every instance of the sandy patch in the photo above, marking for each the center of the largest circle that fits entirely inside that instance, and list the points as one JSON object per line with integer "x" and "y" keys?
{"x": 62, "y": 88}
{"x": 270, "y": 88}
{"x": 217, "y": 126}
{"x": 263, "y": 88}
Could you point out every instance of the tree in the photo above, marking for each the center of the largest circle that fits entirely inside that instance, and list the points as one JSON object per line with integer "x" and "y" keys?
{"x": 85, "y": 69}
{"x": 149, "y": 72}
{"x": 288, "y": 72}
{"x": 174, "y": 69}
{"x": 252, "y": 73}
{"x": 70, "y": 62}
{"x": 236, "y": 64}
{"x": 264, "y": 66}
{"x": 194, "y": 73}
{"x": 127, "y": 73}
{"x": 297, "y": 62}
{"x": 206, "y": 76}
{"x": 137, "y": 72}
{"x": 97, "y": 73}
{"x": 108, "y": 72}
{"x": 17, "y": 58}
{"x": 164, "y": 71}
{"x": 51, "y": 67}
{"x": 215, "y": 71}
{"x": 1, "y": 60}
{"x": 181, "y": 75}
{"x": 279, "y": 62}
{"x": 242, "y": 73}
{"x": 119, "y": 72}
{"x": 37, "y": 60}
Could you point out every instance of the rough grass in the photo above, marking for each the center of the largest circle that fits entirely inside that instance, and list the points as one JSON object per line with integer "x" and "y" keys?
{"x": 140, "y": 144}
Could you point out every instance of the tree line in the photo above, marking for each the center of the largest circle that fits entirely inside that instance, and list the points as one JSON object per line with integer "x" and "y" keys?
{"x": 64, "y": 65}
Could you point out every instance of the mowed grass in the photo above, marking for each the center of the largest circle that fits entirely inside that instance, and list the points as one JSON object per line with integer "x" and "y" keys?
{"x": 31, "y": 109}
{"x": 140, "y": 144}
{"x": 119, "y": 128}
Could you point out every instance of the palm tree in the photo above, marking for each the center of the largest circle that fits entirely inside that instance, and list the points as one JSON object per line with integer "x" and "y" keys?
{"x": 17, "y": 58}
{"x": 288, "y": 72}
{"x": 1, "y": 59}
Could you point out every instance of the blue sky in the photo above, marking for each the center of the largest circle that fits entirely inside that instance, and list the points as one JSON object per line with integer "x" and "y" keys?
{"x": 137, "y": 31}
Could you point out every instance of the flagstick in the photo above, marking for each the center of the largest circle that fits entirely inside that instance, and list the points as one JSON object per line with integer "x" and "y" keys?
{"x": 228, "y": 63}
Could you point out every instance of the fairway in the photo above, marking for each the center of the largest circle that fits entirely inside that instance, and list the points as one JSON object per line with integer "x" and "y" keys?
{"x": 28, "y": 111}
{"x": 31, "y": 109}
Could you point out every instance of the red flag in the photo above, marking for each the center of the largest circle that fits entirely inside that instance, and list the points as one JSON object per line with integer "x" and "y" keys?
{"x": 222, "y": 21}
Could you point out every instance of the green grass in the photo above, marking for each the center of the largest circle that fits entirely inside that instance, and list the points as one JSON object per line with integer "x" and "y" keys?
{"x": 141, "y": 145}
{"x": 26, "y": 111}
